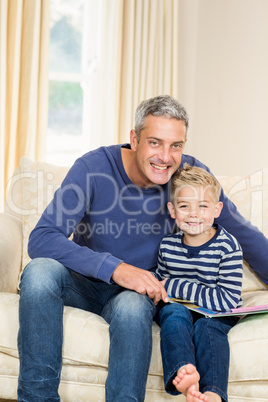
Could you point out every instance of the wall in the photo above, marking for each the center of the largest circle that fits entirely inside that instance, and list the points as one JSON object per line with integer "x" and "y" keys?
{"x": 223, "y": 82}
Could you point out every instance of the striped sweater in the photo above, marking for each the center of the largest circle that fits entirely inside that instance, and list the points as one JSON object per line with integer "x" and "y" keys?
{"x": 209, "y": 275}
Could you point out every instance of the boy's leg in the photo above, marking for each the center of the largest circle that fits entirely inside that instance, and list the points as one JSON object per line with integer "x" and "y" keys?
{"x": 46, "y": 285}
{"x": 177, "y": 347}
{"x": 130, "y": 316}
{"x": 212, "y": 353}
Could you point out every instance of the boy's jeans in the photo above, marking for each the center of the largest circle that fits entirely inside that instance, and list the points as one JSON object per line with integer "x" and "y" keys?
{"x": 46, "y": 286}
{"x": 188, "y": 337}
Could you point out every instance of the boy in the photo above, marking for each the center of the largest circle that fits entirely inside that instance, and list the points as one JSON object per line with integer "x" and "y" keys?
{"x": 201, "y": 263}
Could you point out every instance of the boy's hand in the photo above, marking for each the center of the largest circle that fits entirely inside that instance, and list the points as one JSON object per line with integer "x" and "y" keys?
{"x": 140, "y": 280}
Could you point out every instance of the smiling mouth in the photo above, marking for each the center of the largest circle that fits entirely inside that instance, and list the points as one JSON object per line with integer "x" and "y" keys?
{"x": 160, "y": 167}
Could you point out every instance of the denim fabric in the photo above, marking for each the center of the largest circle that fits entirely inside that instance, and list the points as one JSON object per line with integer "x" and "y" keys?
{"x": 188, "y": 337}
{"x": 46, "y": 286}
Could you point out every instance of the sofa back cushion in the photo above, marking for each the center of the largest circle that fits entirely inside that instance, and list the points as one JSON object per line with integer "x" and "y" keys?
{"x": 33, "y": 185}
{"x": 250, "y": 195}
{"x": 30, "y": 190}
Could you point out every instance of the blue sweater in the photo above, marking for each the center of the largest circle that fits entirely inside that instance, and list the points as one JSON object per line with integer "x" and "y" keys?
{"x": 209, "y": 275}
{"x": 112, "y": 220}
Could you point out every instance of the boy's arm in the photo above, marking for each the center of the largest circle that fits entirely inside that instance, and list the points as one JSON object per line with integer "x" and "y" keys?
{"x": 225, "y": 296}
{"x": 161, "y": 272}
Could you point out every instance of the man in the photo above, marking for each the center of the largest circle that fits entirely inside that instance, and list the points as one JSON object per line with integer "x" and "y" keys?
{"x": 113, "y": 200}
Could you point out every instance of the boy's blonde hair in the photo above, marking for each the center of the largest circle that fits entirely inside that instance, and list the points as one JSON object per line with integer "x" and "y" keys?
{"x": 194, "y": 176}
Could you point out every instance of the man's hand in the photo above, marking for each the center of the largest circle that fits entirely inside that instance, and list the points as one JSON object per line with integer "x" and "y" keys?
{"x": 140, "y": 280}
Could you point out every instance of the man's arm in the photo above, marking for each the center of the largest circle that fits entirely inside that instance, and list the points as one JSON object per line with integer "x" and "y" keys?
{"x": 253, "y": 242}
{"x": 50, "y": 237}
{"x": 140, "y": 280}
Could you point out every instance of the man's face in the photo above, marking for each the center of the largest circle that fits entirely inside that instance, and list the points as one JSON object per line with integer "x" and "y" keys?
{"x": 159, "y": 150}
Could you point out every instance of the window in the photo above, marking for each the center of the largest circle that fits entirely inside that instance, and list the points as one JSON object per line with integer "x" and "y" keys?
{"x": 72, "y": 64}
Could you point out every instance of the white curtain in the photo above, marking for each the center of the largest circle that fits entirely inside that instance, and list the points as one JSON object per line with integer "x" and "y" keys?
{"x": 138, "y": 59}
{"x": 24, "y": 41}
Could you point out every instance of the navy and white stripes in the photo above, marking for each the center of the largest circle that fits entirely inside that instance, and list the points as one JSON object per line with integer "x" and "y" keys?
{"x": 209, "y": 275}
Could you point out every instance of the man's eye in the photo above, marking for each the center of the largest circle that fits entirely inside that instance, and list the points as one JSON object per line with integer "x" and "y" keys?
{"x": 177, "y": 146}
{"x": 154, "y": 143}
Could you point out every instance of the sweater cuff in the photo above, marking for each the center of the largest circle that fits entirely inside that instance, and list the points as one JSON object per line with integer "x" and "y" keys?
{"x": 107, "y": 269}
{"x": 167, "y": 283}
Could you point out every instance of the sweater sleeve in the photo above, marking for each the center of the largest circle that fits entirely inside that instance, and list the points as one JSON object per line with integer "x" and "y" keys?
{"x": 253, "y": 242}
{"x": 223, "y": 297}
{"x": 50, "y": 237}
{"x": 161, "y": 272}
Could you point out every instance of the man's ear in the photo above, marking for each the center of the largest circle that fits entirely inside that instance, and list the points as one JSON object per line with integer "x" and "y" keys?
{"x": 133, "y": 140}
{"x": 171, "y": 209}
{"x": 218, "y": 209}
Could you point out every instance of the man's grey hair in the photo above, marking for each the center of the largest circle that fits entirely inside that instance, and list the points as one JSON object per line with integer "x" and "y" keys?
{"x": 163, "y": 105}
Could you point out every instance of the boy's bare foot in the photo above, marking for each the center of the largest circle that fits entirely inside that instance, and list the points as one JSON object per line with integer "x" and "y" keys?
{"x": 187, "y": 377}
{"x": 196, "y": 396}
{"x": 212, "y": 397}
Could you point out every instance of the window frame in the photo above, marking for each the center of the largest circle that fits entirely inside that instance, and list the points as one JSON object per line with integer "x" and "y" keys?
{"x": 86, "y": 78}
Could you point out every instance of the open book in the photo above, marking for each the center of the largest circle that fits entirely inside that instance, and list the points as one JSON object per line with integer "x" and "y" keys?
{"x": 211, "y": 313}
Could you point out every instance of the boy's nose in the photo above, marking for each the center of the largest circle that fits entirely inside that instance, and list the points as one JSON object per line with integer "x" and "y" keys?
{"x": 193, "y": 212}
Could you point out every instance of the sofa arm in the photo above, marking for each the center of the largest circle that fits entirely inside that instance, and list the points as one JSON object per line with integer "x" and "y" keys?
{"x": 10, "y": 252}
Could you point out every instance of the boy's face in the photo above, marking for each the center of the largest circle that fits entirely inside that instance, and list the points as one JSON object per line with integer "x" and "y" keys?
{"x": 194, "y": 209}
{"x": 159, "y": 150}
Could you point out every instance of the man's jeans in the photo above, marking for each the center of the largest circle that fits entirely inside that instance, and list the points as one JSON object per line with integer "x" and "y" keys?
{"x": 188, "y": 337}
{"x": 46, "y": 286}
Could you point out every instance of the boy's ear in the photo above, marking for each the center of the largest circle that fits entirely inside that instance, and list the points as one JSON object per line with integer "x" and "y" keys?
{"x": 171, "y": 209}
{"x": 218, "y": 209}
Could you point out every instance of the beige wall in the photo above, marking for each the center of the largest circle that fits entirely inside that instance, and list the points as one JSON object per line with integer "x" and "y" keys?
{"x": 223, "y": 82}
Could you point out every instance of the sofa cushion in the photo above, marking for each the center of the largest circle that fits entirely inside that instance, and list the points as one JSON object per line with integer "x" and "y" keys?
{"x": 85, "y": 334}
{"x": 30, "y": 190}
{"x": 78, "y": 383}
{"x": 250, "y": 195}
{"x": 86, "y": 340}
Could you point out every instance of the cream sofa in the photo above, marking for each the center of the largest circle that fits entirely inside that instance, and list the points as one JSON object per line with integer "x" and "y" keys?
{"x": 86, "y": 336}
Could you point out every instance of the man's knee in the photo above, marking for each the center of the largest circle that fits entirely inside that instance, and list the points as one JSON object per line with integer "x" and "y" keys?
{"x": 41, "y": 273}
{"x": 130, "y": 306}
{"x": 134, "y": 304}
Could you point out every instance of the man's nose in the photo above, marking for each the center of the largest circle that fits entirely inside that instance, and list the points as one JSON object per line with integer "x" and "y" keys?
{"x": 164, "y": 155}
